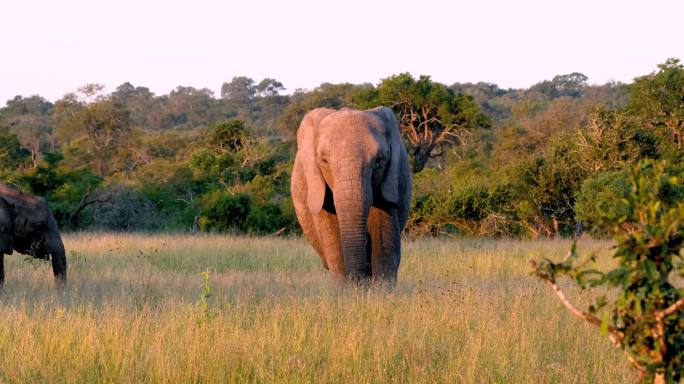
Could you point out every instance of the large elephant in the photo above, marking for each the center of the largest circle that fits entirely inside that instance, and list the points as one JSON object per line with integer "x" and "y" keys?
{"x": 351, "y": 189}
{"x": 27, "y": 226}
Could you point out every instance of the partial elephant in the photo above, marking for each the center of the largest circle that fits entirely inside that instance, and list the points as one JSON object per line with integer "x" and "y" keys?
{"x": 27, "y": 226}
{"x": 351, "y": 189}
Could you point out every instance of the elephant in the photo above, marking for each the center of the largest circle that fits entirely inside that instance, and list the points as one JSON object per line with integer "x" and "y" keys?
{"x": 27, "y": 226}
{"x": 351, "y": 189}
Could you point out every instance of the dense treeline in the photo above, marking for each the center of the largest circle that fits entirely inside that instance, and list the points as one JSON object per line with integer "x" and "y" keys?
{"x": 541, "y": 161}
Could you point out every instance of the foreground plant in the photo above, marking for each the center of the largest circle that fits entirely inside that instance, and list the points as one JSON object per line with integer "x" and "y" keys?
{"x": 643, "y": 318}
{"x": 205, "y": 312}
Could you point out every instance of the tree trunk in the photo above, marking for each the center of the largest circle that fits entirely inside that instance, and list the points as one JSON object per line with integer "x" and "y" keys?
{"x": 421, "y": 155}
{"x": 196, "y": 225}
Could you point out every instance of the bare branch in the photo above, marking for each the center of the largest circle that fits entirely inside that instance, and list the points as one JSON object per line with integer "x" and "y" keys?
{"x": 588, "y": 317}
{"x": 671, "y": 309}
{"x": 614, "y": 335}
{"x": 87, "y": 200}
{"x": 660, "y": 327}
{"x": 278, "y": 232}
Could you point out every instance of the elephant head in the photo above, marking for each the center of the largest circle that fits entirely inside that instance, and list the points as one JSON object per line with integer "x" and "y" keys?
{"x": 27, "y": 226}
{"x": 351, "y": 160}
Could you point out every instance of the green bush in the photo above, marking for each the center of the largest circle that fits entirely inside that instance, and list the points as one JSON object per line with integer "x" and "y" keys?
{"x": 601, "y": 199}
{"x": 63, "y": 188}
{"x": 12, "y": 154}
{"x": 464, "y": 200}
{"x": 127, "y": 210}
{"x": 265, "y": 219}
{"x": 643, "y": 314}
{"x": 223, "y": 211}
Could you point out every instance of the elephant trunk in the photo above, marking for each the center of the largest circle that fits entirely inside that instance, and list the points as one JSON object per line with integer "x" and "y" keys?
{"x": 55, "y": 247}
{"x": 353, "y": 198}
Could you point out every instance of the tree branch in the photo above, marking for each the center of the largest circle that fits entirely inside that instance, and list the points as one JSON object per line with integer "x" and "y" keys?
{"x": 671, "y": 309}
{"x": 660, "y": 327}
{"x": 588, "y": 317}
{"x": 86, "y": 200}
{"x": 614, "y": 335}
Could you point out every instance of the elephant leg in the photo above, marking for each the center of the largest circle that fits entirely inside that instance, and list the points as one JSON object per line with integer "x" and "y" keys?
{"x": 385, "y": 234}
{"x": 321, "y": 230}
{"x": 328, "y": 231}
{"x": 306, "y": 219}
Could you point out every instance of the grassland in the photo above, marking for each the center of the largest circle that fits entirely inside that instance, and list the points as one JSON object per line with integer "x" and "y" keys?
{"x": 464, "y": 311}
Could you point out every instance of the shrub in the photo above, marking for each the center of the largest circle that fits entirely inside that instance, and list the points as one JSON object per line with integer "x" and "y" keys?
{"x": 644, "y": 317}
{"x": 463, "y": 201}
{"x": 223, "y": 211}
{"x": 265, "y": 219}
{"x": 602, "y": 199}
{"x": 128, "y": 210}
{"x": 598, "y": 200}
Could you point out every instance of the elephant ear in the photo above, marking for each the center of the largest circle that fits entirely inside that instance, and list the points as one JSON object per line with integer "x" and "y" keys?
{"x": 6, "y": 227}
{"x": 397, "y": 165}
{"x": 307, "y": 138}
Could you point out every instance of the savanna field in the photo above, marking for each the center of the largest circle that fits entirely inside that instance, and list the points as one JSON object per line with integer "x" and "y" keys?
{"x": 138, "y": 308}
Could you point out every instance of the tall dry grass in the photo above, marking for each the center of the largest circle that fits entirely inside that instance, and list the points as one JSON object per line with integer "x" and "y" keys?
{"x": 464, "y": 311}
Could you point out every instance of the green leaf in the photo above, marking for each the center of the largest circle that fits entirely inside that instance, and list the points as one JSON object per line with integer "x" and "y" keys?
{"x": 615, "y": 276}
{"x": 651, "y": 269}
{"x": 637, "y": 307}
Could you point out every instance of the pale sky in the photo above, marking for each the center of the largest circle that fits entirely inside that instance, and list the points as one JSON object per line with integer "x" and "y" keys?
{"x": 53, "y": 47}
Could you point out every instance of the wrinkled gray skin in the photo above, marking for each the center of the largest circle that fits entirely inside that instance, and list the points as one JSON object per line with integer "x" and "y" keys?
{"x": 27, "y": 226}
{"x": 351, "y": 189}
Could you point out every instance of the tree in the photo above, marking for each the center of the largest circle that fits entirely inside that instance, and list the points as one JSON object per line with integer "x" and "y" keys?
{"x": 657, "y": 101}
{"x": 240, "y": 90}
{"x": 66, "y": 107}
{"x": 229, "y": 153}
{"x": 67, "y": 190}
{"x": 431, "y": 116}
{"x": 138, "y": 100}
{"x": 269, "y": 87}
{"x": 266, "y": 112}
{"x": 643, "y": 319}
{"x": 326, "y": 95}
{"x": 533, "y": 125}
{"x": 572, "y": 84}
{"x": 612, "y": 95}
{"x": 12, "y": 154}
{"x": 90, "y": 92}
{"x": 551, "y": 182}
{"x": 611, "y": 140}
{"x": 489, "y": 96}
{"x": 228, "y": 136}
{"x": 189, "y": 106}
{"x": 31, "y": 118}
{"x": 96, "y": 133}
